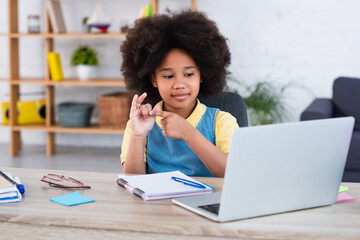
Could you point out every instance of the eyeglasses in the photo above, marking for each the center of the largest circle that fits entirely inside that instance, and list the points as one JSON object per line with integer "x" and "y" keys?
{"x": 61, "y": 181}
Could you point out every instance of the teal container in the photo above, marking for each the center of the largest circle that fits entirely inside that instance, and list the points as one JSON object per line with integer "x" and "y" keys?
{"x": 73, "y": 114}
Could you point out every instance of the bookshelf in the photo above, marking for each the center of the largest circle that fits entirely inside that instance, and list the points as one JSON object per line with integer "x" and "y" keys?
{"x": 14, "y": 80}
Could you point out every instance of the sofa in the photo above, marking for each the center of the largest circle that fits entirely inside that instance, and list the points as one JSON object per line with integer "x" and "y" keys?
{"x": 345, "y": 101}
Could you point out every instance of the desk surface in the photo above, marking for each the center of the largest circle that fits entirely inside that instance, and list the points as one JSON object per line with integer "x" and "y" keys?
{"x": 119, "y": 214}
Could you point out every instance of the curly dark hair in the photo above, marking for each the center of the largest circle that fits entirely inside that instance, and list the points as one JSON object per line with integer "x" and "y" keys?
{"x": 149, "y": 41}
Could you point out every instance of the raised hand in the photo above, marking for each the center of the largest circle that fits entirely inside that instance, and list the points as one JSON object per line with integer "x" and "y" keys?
{"x": 141, "y": 119}
{"x": 174, "y": 126}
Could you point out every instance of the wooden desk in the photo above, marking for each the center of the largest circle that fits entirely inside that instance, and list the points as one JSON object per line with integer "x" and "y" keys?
{"x": 117, "y": 214}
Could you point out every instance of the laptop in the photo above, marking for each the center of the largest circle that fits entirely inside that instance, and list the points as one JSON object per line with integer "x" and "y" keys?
{"x": 278, "y": 168}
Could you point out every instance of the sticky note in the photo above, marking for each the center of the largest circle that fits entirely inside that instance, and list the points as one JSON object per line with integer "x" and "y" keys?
{"x": 343, "y": 189}
{"x": 71, "y": 199}
{"x": 343, "y": 197}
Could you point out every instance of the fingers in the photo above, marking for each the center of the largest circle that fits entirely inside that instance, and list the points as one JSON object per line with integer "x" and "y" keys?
{"x": 141, "y": 99}
{"x": 145, "y": 110}
{"x": 161, "y": 113}
{"x": 134, "y": 103}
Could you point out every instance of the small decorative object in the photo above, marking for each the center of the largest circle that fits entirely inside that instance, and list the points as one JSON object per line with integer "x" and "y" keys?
{"x": 99, "y": 22}
{"x": 86, "y": 27}
{"x": 85, "y": 59}
{"x": 124, "y": 26}
{"x": 34, "y": 24}
{"x": 73, "y": 114}
{"x": 29, "y": 112}
{"x": 114, "y": 110}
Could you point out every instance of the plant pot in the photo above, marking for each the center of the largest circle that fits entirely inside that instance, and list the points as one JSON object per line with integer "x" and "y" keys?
{"x": 85, "y": 72}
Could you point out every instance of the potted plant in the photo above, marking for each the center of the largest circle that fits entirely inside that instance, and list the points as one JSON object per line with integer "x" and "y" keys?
{"x": 265, "y": 102}
{"x": 85, "y": 59}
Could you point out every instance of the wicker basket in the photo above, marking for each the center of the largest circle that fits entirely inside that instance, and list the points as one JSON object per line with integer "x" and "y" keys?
{"x": 114, "y": 110}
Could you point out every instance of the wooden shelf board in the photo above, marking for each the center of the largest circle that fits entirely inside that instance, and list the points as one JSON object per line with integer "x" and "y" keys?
{"x": 28, "y": 81}
{"x": 91, "y": 82}
{"x": 37, "y": 127}
{"x": 94, "y": 128}
{"x": 4, "y": 80}
{"x": 67, "y": 35}
{"x": 72, "y": 82}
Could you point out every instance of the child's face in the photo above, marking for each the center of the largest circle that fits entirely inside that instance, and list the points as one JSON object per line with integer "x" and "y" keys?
{"x": 178, "y": 82}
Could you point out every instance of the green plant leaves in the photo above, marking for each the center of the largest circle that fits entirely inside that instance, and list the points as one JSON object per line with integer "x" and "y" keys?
{"x": 264, "y": 101}
{"x": 84, "y": 55}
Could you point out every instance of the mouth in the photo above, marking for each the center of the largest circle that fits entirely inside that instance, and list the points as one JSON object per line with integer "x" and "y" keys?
{"x": 180, "y": 96}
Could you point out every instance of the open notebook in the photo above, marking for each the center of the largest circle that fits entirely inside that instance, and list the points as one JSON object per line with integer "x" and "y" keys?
{"x": 161, "y": 186}
{"x": 8, "y": 191}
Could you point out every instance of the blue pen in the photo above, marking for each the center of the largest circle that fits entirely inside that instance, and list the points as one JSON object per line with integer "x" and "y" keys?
{"x": 187, "y": 182}
{"x": 21, "y": 186}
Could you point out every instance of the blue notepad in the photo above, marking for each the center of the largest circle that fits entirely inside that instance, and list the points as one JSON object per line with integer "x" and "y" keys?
{"x": 71, "y": 199}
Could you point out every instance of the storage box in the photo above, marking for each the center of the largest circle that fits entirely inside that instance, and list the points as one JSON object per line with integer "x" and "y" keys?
{"x": 114, "y": 109}
{"x": 73, "y": 114}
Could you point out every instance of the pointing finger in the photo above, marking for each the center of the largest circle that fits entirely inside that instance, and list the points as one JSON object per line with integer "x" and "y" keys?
{"x": 161, "y": 113}
{"x": 156, "y": 108}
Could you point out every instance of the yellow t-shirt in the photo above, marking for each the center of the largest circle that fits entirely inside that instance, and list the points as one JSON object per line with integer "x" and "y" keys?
{"x": 225, "y": 123}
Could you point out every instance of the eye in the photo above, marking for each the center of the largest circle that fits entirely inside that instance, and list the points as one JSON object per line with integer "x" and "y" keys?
{"x": 168, "y": 76}
{"x": 188, "y": 74}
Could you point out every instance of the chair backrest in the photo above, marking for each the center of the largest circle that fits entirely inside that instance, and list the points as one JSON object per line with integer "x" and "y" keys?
{"x": 229, "y": 102}
{"x": 346, "y": 98}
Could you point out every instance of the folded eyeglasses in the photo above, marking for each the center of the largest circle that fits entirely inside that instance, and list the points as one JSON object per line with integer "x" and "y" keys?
{"x": 61, "y": 181}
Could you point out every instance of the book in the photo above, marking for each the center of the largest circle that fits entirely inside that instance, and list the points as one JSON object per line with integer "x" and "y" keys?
{"x": 55, "y": 15}
{"x": 8, "y": 191}
{"x": 161, "y": 185}
{"x": 55, "y": 67}
{"x": 145, "y": 11}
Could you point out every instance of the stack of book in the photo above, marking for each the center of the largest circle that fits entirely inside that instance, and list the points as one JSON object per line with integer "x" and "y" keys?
{"x": 145, "y": 11}
{"x": 8, "y": 191}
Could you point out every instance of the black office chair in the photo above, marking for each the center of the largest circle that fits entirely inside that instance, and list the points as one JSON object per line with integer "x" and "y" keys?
{"x": 229, "y": 102}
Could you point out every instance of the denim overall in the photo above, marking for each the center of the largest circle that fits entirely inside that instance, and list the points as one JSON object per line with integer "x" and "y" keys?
{"x": 166, "y": 154}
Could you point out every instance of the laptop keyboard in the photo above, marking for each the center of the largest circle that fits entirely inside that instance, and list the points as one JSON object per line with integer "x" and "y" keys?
{"x": 213, "y": 208}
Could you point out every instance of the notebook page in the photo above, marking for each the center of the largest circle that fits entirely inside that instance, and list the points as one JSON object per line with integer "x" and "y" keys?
{"x": 161, "y": 183}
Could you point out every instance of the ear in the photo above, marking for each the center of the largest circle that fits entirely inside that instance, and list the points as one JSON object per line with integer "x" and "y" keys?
{"x": 153, "y": 80}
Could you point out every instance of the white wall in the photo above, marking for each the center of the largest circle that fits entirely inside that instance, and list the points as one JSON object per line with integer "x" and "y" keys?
{"x": 306, "y": 42}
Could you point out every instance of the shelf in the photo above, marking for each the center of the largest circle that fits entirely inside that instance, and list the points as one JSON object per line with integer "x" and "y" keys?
{"x": 111, "y": 82}
{"x": 4, "y": 80}
{"x": 67, "y": 35}
{"x": 94, "y": 128}
{"x": 93, "y": 82}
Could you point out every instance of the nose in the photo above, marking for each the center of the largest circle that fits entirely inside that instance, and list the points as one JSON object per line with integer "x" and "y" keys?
{"x": 179, "y": 83}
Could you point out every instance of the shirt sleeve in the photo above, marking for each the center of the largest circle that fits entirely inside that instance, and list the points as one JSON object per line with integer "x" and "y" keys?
{"x": 225, "y": 123}
{"x": 126, "y": 142}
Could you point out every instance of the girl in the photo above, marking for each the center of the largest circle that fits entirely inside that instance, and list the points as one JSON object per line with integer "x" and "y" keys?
{"x": 176, "y": 57}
